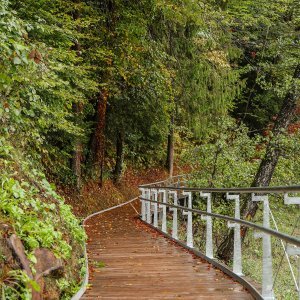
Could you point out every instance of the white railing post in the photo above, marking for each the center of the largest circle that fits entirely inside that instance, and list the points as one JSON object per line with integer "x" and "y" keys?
{"x": 164, "y": 211}
{"x": 209, "y": 234}
{"x": 291, "y": 200}
{"x": 148, "y": 207}
{"x": 174, "y": 210}
{"x": 154, "y": 205}
{"x": 143, "y": 211}
{"x": 267, "y": 276}
{"x": 189, "y": 214}
{"x": 293, "y": 250}
{"x": 237, "y": 247}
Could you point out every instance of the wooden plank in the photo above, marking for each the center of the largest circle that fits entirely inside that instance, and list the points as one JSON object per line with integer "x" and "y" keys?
{"x": 128, "y": 260}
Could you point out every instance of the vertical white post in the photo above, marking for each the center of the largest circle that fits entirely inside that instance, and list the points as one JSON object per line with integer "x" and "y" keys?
{"x": 164, "y": 211}
{"x": 189, "y": 234}
{"x": 148, "y": 207}
{"x": 175, "y": 226}
{"x": 298, "y": 277}
{"x": 143, "y": 211}
{"x": 209, "y": 237}
{"x": 267, "y": 276}
{"x": 293, "y": 250}
{"x": 154, "y": 205}
{"x": 237, "y": 248}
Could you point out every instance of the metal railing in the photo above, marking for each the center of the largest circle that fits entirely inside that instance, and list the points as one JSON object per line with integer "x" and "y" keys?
{"x": 159, "y": 201}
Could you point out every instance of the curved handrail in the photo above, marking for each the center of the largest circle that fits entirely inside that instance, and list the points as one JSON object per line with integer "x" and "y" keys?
{"x": 154, "y": 184}
{"x": 85, "y": 281}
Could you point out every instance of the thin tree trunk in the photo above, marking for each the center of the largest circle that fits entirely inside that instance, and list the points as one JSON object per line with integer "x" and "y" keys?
{"x": 98, "y": 140}
{"x": 77, "y": 157}
{"x": 170, "y": 149}
{"x": 78, "y": 150}
{"x": 268, "y": 164}
{"x": 76, "y": 163}
{"x": 120, "y": 157}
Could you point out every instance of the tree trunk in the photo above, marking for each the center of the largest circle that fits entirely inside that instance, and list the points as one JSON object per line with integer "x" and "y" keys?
{"x": 77, "y": 157}
{"x": 170, "y": 149}
{"x": 98, "y": 140}
{"x": 267, "y": 165}
{"x": 120, "y": 157}
{"x": 78, "y": 150}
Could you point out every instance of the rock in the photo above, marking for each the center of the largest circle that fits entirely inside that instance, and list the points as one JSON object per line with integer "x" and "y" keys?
{"x": 47, "y": 263}
{"x": 17, "y": 247}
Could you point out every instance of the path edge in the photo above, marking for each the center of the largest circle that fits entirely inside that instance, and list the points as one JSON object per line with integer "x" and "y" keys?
{"x": 217, "y": 264}
{"x": 85, "y": 281}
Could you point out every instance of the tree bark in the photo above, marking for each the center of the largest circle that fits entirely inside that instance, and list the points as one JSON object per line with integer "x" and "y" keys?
{"x": 120, "y": 157}
{"x": 98, "y": 140}
{"x": 170, "y": 149}
{"x": 268, "y": 164}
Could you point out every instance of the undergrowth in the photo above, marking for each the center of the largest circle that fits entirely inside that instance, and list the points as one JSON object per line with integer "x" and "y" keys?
{"x": 39, "y": 216}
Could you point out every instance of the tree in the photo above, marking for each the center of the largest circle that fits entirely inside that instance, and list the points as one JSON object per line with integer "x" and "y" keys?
{"x": 268, "y": 163}
{"x": 204, "y": 84}
{"x": 61, "y": 81}
{"x": 278, "y": 76}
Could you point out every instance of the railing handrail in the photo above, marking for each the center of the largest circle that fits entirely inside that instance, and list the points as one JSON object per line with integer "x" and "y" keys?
{"x": 173, "y": 189}
{"x": 153, "y": 184}
{"x": 280, "y": 235}
{"x": 248, "y": 190}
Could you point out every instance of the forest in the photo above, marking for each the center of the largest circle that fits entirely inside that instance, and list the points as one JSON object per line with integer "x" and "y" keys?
{"x": 97, "y": 97}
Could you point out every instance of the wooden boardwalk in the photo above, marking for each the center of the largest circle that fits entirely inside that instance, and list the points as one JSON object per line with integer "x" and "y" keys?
{"x": 128, "y": 260}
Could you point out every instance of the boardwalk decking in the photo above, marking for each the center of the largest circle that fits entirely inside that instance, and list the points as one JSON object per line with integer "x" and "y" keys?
{"x": 131, "y": 261}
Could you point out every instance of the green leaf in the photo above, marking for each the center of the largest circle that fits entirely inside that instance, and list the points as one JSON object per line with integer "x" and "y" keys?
{"x": 35, "y": 285}
{"x": 17, "y": 60}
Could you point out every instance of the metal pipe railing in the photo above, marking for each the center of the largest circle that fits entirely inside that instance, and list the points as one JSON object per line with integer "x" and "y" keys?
{"x": 175, "y": 186}
{"x": 249, "y": 190}
{"x": 275, "y": 233}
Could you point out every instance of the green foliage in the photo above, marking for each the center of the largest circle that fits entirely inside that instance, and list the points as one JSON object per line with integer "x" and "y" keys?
{"x": 16, "y": 285}
{"x": 41, "y": 79}
{"x": 267, "y": 33}
{"x": 68, "y": 288}
{"x": 228, "y": 158}
{"x": 37, "y": 214}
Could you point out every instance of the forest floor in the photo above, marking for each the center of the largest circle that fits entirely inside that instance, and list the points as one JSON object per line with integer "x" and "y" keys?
{"x": 94, "y": 197}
